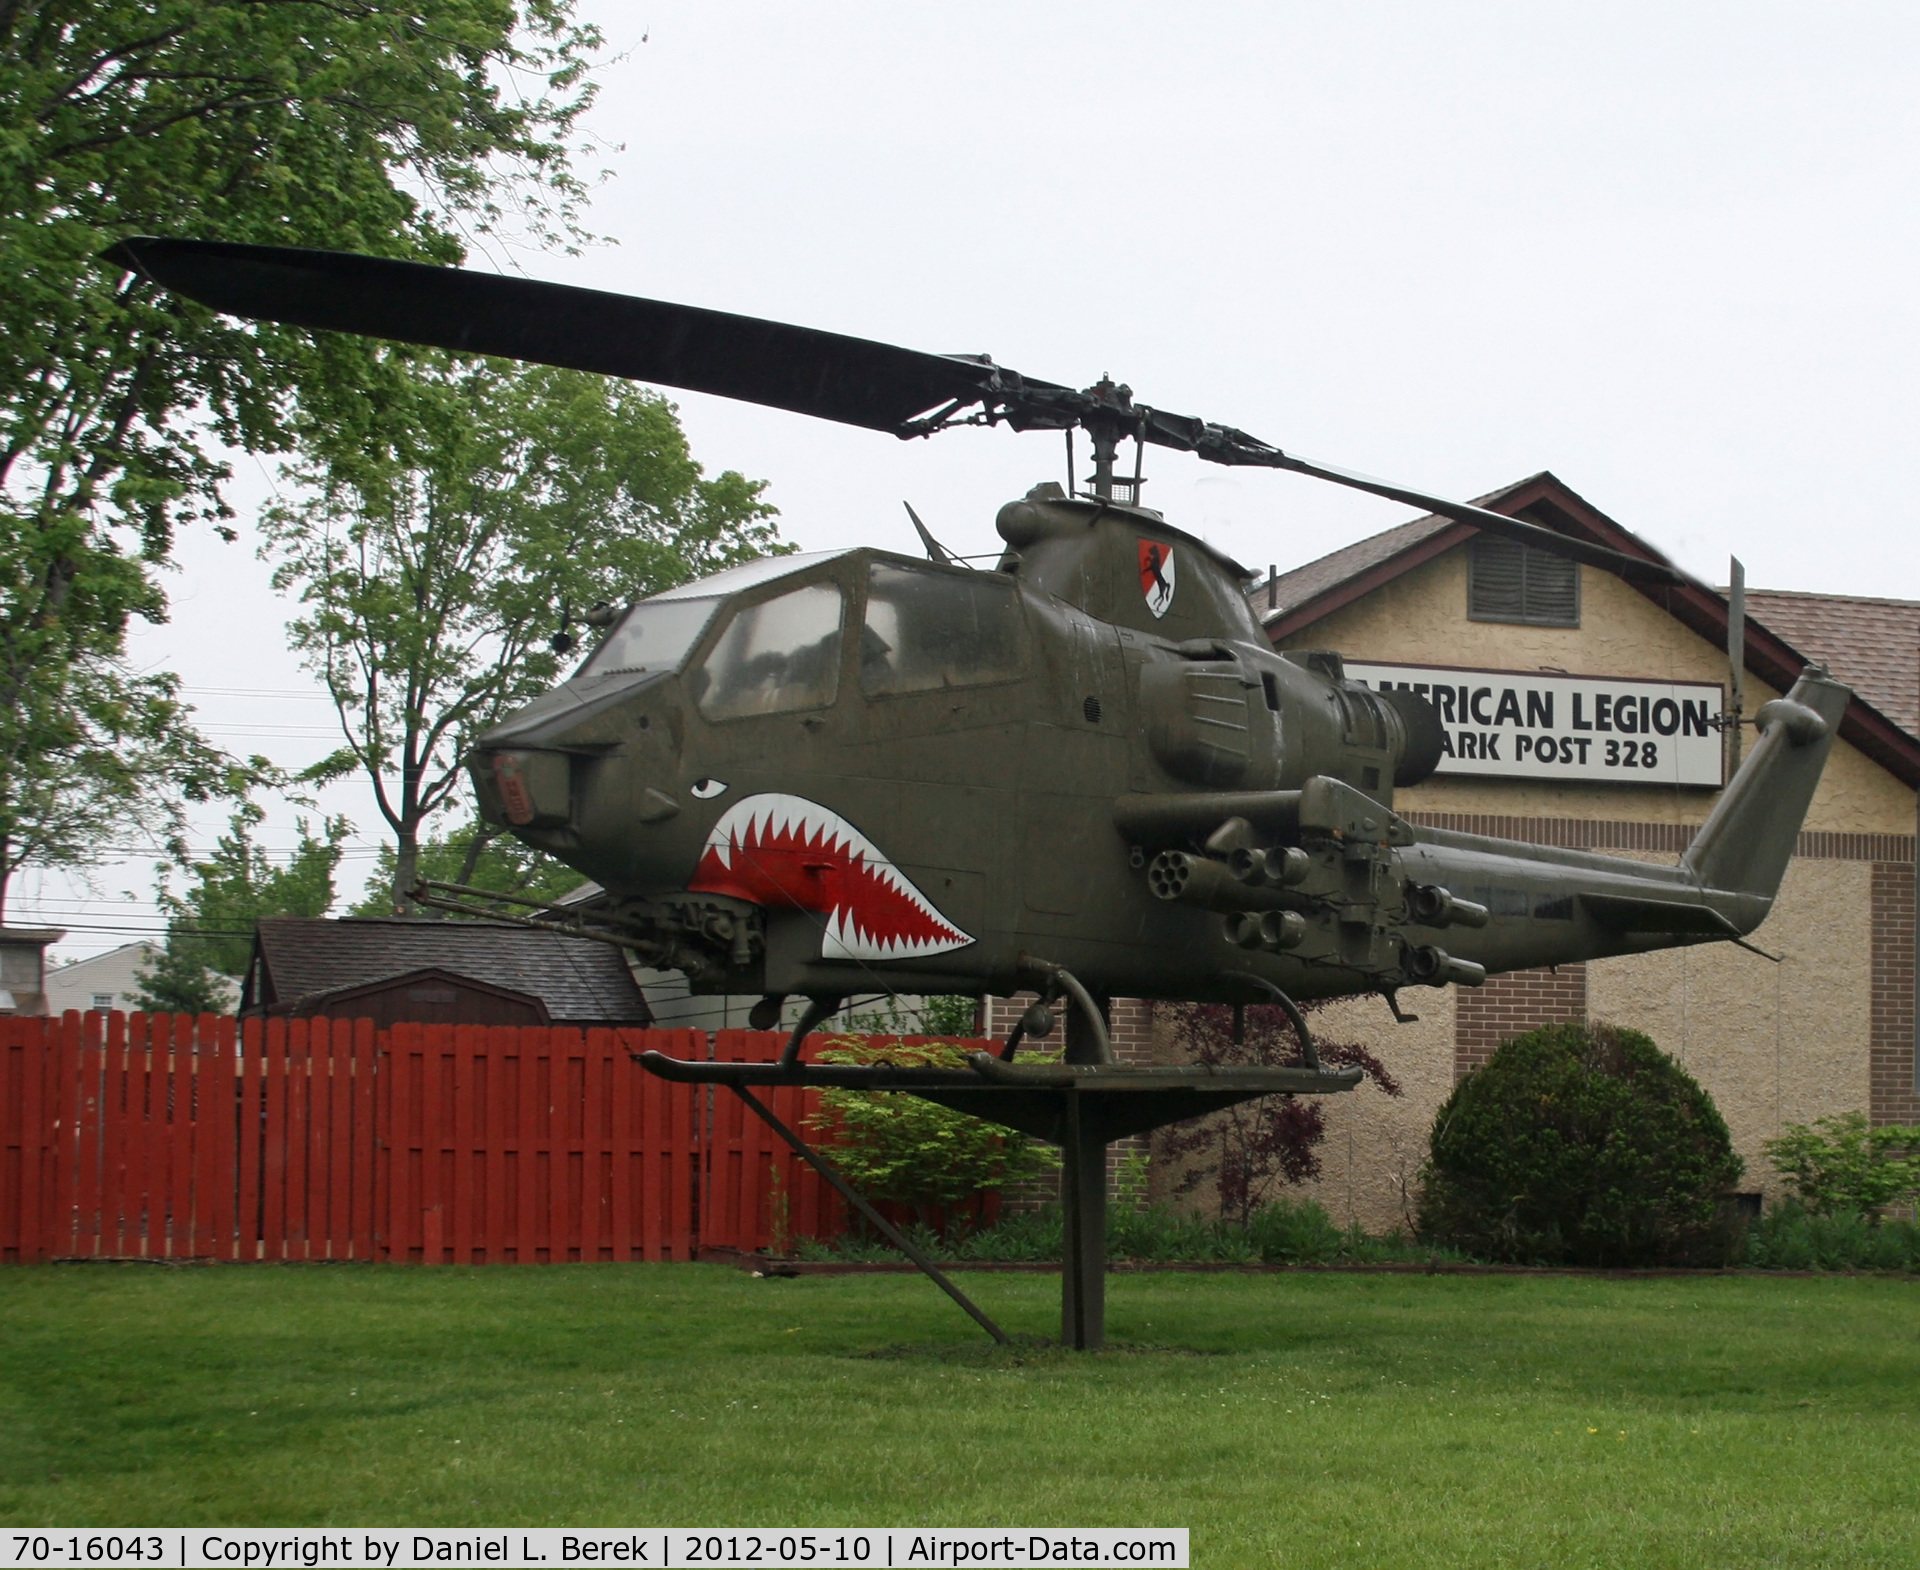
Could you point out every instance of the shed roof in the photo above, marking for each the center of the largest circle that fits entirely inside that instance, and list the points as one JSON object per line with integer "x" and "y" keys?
{"x": 577, "y": 979}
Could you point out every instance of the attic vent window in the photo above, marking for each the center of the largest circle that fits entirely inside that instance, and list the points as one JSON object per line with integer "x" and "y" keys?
{"x": 1510, "y": 582}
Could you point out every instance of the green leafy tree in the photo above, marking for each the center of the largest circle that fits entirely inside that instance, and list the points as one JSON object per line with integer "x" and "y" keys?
{"x": 479, "y": 856}
{"x": 210, "y": 925}
{"x": 432, "y": 574}
{"x": 913, "y": 1152}
{"x": 399, "y": 129}
{"x": 1584, "y": 1145}
{"x": 1841, "y": 1164}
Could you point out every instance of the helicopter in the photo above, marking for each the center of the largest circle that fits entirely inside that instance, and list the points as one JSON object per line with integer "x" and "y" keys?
{"x": 1083, "y": 771}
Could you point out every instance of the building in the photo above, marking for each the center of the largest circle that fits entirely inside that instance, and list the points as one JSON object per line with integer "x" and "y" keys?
{"x": 1821, "y": 1022}
{"x": 23, "y": 967}
{"x": 398, "y": 968}
{"x": 107, "y": 981}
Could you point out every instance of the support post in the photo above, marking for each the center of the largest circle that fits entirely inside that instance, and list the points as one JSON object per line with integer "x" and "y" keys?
{"x": 1083, "y": 1266}
{"x": 880, "y": 1224}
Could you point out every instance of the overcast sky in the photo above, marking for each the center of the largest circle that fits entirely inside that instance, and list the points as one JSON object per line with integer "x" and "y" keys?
{"x": 1667, "y": 252}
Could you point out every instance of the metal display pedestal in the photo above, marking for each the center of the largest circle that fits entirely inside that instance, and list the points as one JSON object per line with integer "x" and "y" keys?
{"x": 1080, "y": 1107}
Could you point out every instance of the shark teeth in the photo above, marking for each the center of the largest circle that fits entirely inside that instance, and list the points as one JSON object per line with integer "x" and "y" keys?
{"x": 784, "y": 849}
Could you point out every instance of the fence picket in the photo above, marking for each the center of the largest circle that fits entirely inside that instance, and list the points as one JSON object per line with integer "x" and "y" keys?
{"x": 250, "y": 1191}
{"x": 469, "y": 1047}
{"x": 88, "y": 1133}
{"x": 366, "y": 1155}
{"x": 559, "y": 1142}
{"x": 273, "y": 1143}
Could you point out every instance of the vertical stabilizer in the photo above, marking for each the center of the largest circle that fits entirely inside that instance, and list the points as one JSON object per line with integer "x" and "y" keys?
{"x": 1744, "y": 846}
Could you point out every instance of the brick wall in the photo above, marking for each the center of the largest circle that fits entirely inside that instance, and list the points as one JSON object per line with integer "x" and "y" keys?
{"x": 1508, "y": 1006}
{"x": 1890, "y": 1074}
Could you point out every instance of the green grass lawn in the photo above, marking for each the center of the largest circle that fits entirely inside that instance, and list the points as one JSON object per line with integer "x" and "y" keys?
{"x": 1286, "y": 1419}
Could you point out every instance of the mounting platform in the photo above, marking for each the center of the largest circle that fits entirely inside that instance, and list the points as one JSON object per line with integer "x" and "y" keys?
{"x": 1081, "y": 1107}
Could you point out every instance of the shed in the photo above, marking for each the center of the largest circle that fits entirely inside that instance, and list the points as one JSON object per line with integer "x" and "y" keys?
{"x": 396, "y": 968}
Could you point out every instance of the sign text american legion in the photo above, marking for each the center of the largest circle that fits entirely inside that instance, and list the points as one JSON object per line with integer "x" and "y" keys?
{"x": 1548, "y": 726}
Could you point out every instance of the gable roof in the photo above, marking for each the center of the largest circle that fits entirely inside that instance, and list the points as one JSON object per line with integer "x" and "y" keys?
{"x": 578, "y": 980}
{"x": 1866, "y": 641}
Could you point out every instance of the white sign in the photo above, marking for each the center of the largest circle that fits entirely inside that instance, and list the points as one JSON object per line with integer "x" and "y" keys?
{"x": 1540, "y": 726}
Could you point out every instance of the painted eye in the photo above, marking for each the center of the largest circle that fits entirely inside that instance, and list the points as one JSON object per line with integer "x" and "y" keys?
{"x": 706, "y": 790}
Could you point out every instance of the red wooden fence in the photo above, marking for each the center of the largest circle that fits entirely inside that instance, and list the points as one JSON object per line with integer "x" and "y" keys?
{"x": 171, "y": 1137}
{"x": 759, "y": 1193}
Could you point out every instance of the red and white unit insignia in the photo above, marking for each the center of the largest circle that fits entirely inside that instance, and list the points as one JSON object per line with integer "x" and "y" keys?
{"x": 786, "y": 851}
{"x": 1156, "y": 576}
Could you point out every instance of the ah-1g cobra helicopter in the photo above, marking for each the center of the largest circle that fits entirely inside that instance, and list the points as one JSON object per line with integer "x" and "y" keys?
{"x": 854, "y": 770}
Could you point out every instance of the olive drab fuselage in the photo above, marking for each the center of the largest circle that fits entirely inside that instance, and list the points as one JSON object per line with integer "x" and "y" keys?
{"x": 863, "y": 772}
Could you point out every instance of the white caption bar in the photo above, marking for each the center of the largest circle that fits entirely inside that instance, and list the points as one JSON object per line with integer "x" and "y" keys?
{"x": 867, "y": 1548}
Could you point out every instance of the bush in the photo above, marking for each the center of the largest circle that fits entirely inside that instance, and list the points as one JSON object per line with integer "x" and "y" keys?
{"x": 895, "y": 1146}
{"x": 1840, "y": 1164}
{"x": 1792, "y": 1237}
{"x": 1246, "y": 1151}
{"x": 1581, "y": 1145}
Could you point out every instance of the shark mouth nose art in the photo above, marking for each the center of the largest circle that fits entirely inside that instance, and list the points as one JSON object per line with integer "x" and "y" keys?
{"x": 780, "y": 850}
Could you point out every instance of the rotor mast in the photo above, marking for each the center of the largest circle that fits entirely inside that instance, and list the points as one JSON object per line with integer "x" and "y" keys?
{"x": 1111, "y": 419}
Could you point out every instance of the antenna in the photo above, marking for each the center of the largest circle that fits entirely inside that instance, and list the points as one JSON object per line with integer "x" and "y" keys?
{"x": 936, "y": 552}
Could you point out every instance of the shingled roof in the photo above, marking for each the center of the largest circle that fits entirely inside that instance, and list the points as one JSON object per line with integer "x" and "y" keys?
{"x": 580, "y": 981}
{"x": 1871, "y": 645}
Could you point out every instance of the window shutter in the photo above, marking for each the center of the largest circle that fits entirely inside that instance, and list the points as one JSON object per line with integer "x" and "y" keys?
{"x": 1509, "y": 582}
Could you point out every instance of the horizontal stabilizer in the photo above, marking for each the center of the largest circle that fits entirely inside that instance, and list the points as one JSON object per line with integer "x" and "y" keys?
{"x": 1636, "y": 913}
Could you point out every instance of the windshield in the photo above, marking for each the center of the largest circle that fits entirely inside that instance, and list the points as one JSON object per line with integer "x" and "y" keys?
{"x": 654, "y": 636}
{"x": 779, "y": 655}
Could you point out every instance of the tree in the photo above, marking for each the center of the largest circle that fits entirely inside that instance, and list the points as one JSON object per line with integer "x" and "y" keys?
{"x": 210, "y": 926}
{"x": 480, "y": 856}
{"x": 394, "y": 128}
{"x": 432, "y": 571}
{"x": 1580, "y": 1144}
{"x": 98, "y": 755}
{"x": 1249, "y": 1150}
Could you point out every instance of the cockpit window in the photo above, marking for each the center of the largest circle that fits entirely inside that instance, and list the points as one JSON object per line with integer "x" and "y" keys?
{"x": 781, "y": 654}
{"x": 654, "y": 636}
{"x": 928, "y": 629}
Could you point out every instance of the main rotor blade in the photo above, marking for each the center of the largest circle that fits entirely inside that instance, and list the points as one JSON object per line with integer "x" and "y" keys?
{"x": 850, "y": 380}
{"x": 1517, "y": 529}
{"x": 1223, "y": 444}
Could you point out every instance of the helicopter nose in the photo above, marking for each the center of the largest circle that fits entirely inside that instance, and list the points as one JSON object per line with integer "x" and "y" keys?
{"x": 524, "y": 787}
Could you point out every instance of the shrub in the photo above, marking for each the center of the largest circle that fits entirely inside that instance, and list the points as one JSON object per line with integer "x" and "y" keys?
{"x": 1247, "y": 1151}
{"x": 895, "y": 1146}
{"x": 1791, "y": 1237}
{"x": 1580, "y": 1145}
{"x": 1840, "y": 1164}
